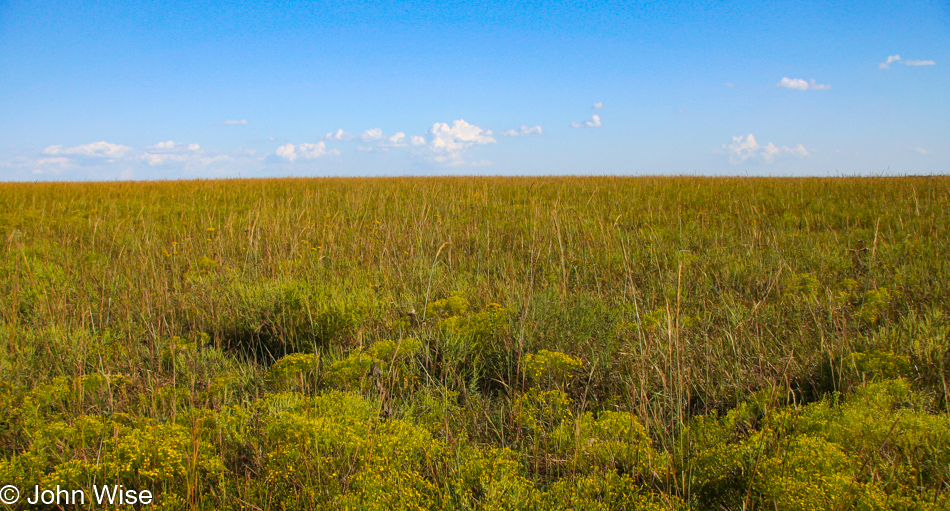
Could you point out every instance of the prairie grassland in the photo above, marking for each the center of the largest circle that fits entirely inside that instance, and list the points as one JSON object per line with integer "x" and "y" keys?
{"x": 480, "y": 343}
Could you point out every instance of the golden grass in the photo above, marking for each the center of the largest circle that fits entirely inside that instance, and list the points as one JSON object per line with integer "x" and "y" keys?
{"x": 680, "y": 300}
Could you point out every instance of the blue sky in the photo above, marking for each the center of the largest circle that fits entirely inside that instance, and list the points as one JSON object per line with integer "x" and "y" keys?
{"x": 165, "y": 90}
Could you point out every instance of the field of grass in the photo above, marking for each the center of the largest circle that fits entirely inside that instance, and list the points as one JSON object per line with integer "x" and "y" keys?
{"x": 480, "y": 343}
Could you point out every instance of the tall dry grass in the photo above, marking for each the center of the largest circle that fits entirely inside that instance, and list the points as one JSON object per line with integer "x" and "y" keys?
{"x": 682, "y": 297}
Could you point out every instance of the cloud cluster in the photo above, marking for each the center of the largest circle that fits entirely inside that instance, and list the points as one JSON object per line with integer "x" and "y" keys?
{"x": 594, "y": 122}
{"x": 242, "y": 122}
{"x": 799, "y": 84}
{"x": 339, "y": 135}
{"x": 105, "y": 160}
{"x": 377, "y": 140}
{"x": 444, "y": 145}
{"x": 447, "y": 143}
{"x": 598, "y": 105}
{"x": 897, "y": 58}
{"x": 372, "y": 135}
{"x": 103, "y": 150}
{"x": 525, "y": 131}
{"x": 400, "y": 139}
{"x": 890, "y": 60}
{"x": 291, "y": 152}
{"x": 170, "y": 152}
{"x": 747, "y": 149}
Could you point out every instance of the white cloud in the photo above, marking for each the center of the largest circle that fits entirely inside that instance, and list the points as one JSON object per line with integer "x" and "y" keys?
{"x": 103, "y": 160}
{"x": 59, "y": 160}
{"x": 447, "y": 144}
{"x": 171, "y": 145}
{"x": 242, "y": 122}
{"x": 372, "y": 135}
{"x": 310, "y": 151}
{"x": 162, "y": 159}
{"x": 799, "y": 84}
{"x": 444, "y": 145}
{"x": 599, "y": 104}
{"x": 290, "y": 152}
{"x": 163, "y": 145}
{"x": 524, "y": 132}
{"x": 921, "y": 150}
{"x": 890, "y": 60}
{"x": 397, "y": 140}
{"x": 897, "y": 58}
{"x": 287, "y": 152}
{"x": 594, "y": 122}
{"x": 815, "y": 86}
{"x": 338, "y": 135}
{"x": 170, "y": 151}
{"x": 746, "y": 148}
{"x": 729, "y": 84}
{"x": 382, "y": 143}
{"x": 93, "y": 150}
{"x": 54, "y": 165}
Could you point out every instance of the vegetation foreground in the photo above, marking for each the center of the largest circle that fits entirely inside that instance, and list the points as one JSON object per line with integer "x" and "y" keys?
{"x": 480, "y": 343}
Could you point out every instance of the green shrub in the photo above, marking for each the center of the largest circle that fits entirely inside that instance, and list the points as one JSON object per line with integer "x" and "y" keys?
{"x": 608, "y": 490}
{"x": 875, "y": 366}
{"x": 550, "y": 369}
{"x": 387, "y": 487}
{"x": 475, "y": 346}
{"x": 490, "y": 478}
{"x": 812, "y": 473}
{"x": 166, "y": 459}
{"x": 336, "y": 448}
{"x": 275, "y": 318}
{"x": 385, "y": 364}
{"x": 611, "y": 441}
{"x": 453, "y": 305}
{"x": 717, "y": 455}
{"x": 541, "y": 411}
{"x": 297, "y": 370}
{"x": 886, "y": 426}
{"x": 875, "y": 303}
